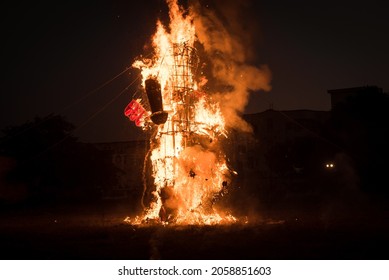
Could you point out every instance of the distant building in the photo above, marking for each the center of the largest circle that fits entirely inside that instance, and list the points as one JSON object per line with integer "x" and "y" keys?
{"x": 273, "y": 126}
{"x": 268, "y": 156}
{"x": 341, "y": 95}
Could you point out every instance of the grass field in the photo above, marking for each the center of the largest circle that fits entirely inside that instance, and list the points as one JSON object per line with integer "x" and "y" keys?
{"x": 86, "y": 235}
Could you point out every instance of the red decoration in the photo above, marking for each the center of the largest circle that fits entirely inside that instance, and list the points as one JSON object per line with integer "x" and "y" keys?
{"x": 135, "y": 112}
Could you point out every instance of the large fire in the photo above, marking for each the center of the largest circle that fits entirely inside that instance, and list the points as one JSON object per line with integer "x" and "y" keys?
{"x": 189, "y": 167}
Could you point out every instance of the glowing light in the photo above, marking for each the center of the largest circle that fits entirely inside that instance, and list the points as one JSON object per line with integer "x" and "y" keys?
{"x": 189, "y": 168}
{"x": 330, "y": 165}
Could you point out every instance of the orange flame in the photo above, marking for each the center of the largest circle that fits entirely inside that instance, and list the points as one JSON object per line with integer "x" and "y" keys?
{"x": 188, "y": 166}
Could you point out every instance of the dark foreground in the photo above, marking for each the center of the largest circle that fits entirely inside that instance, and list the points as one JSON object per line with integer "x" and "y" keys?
{"x": 88, "y": 236}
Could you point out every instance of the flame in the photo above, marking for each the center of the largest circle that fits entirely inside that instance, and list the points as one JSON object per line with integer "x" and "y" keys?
{"x": 189, "y": 168}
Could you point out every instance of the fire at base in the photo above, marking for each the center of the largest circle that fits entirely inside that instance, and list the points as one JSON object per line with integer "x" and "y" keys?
{"x": 188, "y": 166}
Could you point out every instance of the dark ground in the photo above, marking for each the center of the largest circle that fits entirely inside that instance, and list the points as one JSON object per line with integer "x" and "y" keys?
{"x": 102, "y": 234}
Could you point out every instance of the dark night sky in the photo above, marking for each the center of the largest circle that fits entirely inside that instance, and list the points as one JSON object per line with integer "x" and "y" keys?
{"x": 53, "y": 54}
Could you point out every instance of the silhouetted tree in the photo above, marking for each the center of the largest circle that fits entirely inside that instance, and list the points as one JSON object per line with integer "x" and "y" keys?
{"x": 53, "y": 164}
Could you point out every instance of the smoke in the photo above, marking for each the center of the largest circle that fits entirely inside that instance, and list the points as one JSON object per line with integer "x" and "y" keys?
{"x": 227, "y": 46}
{"x": 196, "y": 166}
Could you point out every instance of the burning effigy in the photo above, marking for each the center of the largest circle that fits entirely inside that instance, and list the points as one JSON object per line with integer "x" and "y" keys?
{"x": 188, "y": 166}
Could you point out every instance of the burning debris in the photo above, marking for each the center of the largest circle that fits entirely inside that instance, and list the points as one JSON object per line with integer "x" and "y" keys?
{"x": 188, "y": 165}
